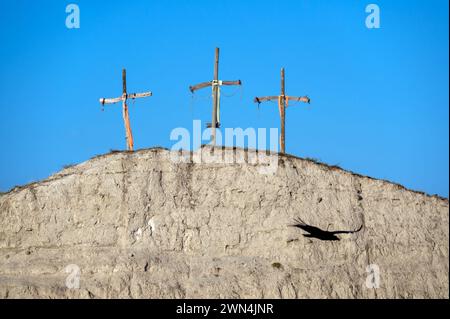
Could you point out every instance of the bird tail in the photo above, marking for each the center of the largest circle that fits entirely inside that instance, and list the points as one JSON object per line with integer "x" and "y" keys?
{"x": 299, "y": 221}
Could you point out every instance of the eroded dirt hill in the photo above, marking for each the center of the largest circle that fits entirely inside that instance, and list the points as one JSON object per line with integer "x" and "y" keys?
{"x": 141, "y": 225}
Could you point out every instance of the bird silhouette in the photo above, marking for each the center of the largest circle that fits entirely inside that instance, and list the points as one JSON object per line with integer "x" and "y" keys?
{"x": 315, "y": 232}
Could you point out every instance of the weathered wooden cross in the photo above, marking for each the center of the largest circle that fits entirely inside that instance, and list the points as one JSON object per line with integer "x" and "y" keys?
{"x": 283, "y": 101}
{"x": 215, "y": 84}
{"x": 123, "y": 98}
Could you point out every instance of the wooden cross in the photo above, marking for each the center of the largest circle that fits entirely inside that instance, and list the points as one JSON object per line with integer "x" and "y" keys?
{"x": 215, "y": 84}
{"x": 123, "y": 98}
{"x": 283, "y": 101}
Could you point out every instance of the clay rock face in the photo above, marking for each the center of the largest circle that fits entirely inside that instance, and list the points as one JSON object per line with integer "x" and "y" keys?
{"x": 144, "y": 225}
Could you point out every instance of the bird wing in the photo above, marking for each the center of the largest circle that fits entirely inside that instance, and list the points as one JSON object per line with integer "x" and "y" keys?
{"x": 347, "y": 231}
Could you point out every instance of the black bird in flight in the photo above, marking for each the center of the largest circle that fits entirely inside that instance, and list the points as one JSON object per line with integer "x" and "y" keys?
{"x": 315, "y": 232}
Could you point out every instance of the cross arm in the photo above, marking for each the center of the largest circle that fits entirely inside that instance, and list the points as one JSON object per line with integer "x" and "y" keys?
{"x": 196, "y": 87}
{"x": 110, "y": 101}
{"x": 305, "y": 99}
{"x": 238, "y": 82}
{"x": 128, "y": 96}
{"x": 264, "y": 99}
{"x": 139, "y": 95}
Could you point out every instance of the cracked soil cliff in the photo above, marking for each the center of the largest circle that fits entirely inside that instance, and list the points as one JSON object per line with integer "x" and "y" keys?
{"x": 140, "y": 225}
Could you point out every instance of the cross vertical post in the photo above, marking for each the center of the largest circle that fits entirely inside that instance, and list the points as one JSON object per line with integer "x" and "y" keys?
{"x": 215, "y": 84}
{"x": 282, "y": 107}
{"x": 126, "y": 118}
{"x": 215, "y": 97}
{"x": 283, "y": 101}
{"x": 125, "y": 96}
{"x": 124, "y": 81}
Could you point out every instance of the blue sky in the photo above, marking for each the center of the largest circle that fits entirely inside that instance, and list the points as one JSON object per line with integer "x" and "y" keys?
{"x": 380, "y": 98}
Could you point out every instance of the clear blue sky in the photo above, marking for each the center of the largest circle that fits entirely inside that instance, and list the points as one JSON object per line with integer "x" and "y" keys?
{"x": 380, "y": 101}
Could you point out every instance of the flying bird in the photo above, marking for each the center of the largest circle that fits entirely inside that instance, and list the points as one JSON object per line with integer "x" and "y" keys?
{"x": 315, "y": 232}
